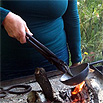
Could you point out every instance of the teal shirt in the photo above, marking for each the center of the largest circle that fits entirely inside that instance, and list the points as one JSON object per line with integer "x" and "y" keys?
{"x": 53, "y": 22}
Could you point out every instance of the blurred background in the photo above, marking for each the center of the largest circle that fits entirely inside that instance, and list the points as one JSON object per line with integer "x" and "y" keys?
{"x": 91, "y": 23}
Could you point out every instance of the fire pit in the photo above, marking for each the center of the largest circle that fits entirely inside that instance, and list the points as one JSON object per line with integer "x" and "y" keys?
{"x": 91, "y": 92}
{"x": 80, "y": 94}
{"x": 85, "y": 92}
{"x": 91, "y": 89}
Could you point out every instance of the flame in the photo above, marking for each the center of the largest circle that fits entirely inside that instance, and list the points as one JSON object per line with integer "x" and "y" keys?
{"x": 78, "y": 88}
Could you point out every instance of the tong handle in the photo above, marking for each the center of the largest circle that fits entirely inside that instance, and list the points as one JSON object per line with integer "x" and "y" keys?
{"x": 41, "y": 48}
{"x": 40, "y": 45}
{"x": 37, "y": 47}
{"x": 49, "y": 55}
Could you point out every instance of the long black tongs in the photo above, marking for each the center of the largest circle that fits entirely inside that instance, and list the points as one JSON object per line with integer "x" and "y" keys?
{"x": 49, "y": 55}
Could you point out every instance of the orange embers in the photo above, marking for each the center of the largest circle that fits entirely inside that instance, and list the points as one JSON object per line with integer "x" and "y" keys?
{"x": 77, "y": 94}
{"x": 78, "y": 88}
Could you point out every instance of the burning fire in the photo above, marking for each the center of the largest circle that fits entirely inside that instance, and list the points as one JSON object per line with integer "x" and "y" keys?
{"x": 78, "y": 88}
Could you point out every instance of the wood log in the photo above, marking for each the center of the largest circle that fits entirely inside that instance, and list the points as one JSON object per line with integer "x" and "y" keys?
{"x": 41, "y": 78}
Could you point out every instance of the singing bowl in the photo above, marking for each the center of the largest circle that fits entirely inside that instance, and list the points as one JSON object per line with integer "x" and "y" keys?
{"x": 79, "y": 72}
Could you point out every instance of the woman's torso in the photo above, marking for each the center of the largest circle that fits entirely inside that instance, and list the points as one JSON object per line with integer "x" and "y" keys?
{"x": 44, "y": 19}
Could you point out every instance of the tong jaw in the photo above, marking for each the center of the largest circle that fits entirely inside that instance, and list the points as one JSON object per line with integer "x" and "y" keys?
{"x": 66, "y": 69}
{"x": 61, "y": 65}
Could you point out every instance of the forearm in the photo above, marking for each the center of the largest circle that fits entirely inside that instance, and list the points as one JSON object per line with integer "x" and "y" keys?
{"x": 74, "y": 43}
{"x": 72, "y": 29}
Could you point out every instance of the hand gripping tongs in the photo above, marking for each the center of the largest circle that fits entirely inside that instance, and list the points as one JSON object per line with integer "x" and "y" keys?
{"x": 49, "y": 55}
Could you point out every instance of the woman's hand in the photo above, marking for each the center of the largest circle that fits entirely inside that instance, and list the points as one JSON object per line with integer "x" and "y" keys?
{"x": 16, "y": 27}
{"x": 75, "y": 64}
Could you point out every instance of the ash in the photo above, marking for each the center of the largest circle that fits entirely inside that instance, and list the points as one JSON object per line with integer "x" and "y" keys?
{"x": 94, "y": 83}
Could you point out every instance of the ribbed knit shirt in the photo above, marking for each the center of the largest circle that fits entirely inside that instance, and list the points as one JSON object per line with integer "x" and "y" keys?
{"x": 55, "y": 23}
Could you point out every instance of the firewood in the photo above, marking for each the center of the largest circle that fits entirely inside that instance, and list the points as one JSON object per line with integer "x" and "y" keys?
{"x": 41, "y": 78}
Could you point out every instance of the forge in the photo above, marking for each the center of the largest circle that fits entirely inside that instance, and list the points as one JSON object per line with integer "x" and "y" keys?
{"x": 86, "y": 95}
{"x": 89, "y": 91}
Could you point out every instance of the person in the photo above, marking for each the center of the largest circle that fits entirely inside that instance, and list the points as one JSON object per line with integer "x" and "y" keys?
{"x": 55, "y": 23}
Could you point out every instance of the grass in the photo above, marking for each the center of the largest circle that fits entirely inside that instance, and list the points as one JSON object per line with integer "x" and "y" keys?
{"x": 91, "y": 23}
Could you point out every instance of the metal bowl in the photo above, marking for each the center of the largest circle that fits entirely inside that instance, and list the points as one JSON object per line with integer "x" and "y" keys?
{"x": 79, "y": 72}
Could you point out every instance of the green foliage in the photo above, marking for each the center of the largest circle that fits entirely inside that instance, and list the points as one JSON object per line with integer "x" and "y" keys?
{"x": 91, "y": 23}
